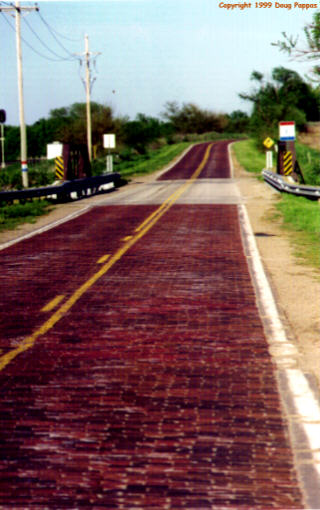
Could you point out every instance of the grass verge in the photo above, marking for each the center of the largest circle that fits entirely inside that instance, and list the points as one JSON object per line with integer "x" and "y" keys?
{"x": 129, "y": 164}
{"x": 154, "y": 161}
{"x": 309, "y": 161}
{"x": 15, "y": 214}
{"x": 299, "y": 216}
{"x": 249, "y": 157}
{"x": 40, "y": 174}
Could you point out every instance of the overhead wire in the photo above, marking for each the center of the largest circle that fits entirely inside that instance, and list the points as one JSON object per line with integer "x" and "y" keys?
{"x": 29, "y": 45}
{"x": 59, "y": 57}
{"x": 71, "y": 57}
{"x": 52, "y": 29}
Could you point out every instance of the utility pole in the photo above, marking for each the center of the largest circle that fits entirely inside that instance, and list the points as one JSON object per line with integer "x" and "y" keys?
{"x": 89, "y": 130}
{"x": 2, "y": 121}
{"x": 88, "y": 82}
{"x": 17, "y": 10}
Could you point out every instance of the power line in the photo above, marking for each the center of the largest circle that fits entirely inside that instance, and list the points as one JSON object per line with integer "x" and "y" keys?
{"x": 16, "y": 9}
{"x": 51, "y": 30}
{"x": 71, "y": 57}
{"x": 60, "y": 58}
{"x": 30, "y": 46}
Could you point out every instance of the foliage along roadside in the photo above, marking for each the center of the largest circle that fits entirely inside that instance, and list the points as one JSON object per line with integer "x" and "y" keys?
{"x": 14, "y": 215}
{"x": 253, "y": 160}
{"x": 128, "y": 163}
{"x": 301, "y": 217}
{"x": 68, "y": 125}
{"x": 298, "y": 215}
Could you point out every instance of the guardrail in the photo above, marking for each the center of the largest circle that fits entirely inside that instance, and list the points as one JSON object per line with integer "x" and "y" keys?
{"x": 63, "y": 192}
{"x": 278, "y": 182}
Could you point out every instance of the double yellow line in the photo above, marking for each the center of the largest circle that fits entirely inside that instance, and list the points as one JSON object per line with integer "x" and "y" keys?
{"x": 140, "y": 231}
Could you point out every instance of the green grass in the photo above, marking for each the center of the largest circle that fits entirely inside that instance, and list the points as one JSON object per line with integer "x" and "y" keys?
{"x": 153, "y": 161}
{"x": 213, "y": 136}
{"x": 300, "y": 216}
{"x": 249, "y": 157}
{"x": 254, "y": 161}
{"x": 15, "y": 214}
{"x": 309, "y": 161}
{"x": 40, "y": 174}
{"x": 129, "y": 163}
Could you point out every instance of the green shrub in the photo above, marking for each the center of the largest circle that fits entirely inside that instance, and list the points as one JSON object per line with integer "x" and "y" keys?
{"x": 15, "y": 214}
{"x": 40, "y": 174}
{"x": 309, "y": 161}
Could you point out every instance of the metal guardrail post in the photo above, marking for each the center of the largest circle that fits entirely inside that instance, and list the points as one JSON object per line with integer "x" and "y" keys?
{"x": 63, "y": 191}
{"x": 279, "y": 182}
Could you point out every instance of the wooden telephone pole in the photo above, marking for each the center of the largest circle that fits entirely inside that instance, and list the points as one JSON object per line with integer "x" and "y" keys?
{"x": 17, "y": 10}
{"x": 88, "y": 82}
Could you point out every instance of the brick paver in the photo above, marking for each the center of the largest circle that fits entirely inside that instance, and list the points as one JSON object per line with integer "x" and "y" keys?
{"x": 216, "y": 168}
{"x": 156, "y": 390}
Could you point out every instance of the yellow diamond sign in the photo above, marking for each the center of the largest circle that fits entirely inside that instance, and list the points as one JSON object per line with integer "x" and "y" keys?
{"x": 268, "y": 142}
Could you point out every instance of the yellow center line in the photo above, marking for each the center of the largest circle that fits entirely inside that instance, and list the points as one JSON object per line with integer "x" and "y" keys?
{"x": 29, "y": 341}
{"x": 176, "y": 195}
{"x": 52, "y": 304}
{"x": 103, "y": 259}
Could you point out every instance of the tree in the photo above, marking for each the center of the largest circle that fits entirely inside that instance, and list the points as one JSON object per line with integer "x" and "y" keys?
{"x": 286, "y": 97}
{"x": 310, "y": 50}
{"x": 67, "y": 125}
{"x": 238, "y": 122}
{"x": 140, "y": 132}
{"x": 189, "y": 118}
{"x": 12, "y": 143}
{"x": 73, "y": 123}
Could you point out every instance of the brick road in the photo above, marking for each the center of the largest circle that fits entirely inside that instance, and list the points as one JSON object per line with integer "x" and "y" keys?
{"x": 155, "y": 389}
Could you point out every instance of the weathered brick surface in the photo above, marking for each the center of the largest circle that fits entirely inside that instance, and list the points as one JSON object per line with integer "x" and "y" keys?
{"x": 216, "y": 168}
{"x": 156, "y": 390}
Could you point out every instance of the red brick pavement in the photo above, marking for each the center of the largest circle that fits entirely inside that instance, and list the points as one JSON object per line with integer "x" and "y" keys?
{"x": 216, "y": 168}
{"x": 156, "y": 390}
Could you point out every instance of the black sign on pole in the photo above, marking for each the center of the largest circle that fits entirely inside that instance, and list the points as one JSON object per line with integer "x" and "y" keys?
{"x": 2, "y": 116}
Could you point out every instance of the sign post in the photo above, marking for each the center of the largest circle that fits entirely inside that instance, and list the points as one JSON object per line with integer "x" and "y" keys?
{"x": 268, "y": 143}
{"x": 54, "y": 151}
{"x": 286, "y": 148}
{"x": 109, "y": 142}
{"x": 2, "y": 121}
{"x": 287, "y": 131}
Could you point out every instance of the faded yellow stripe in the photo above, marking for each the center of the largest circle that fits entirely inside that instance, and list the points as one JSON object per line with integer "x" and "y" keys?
{"x": 174, "y": 197}
{"x": 103, "y": 259}
{"x": 52, "y": 304}
{"x": 29, "y": 341}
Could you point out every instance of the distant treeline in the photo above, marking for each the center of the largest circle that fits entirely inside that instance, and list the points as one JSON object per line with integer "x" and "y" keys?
{"x": 68, "y": 125}
{"x": 285, "y": 97}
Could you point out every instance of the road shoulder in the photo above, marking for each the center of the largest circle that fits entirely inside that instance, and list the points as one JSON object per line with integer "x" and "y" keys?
{"x": 296, "y": 286}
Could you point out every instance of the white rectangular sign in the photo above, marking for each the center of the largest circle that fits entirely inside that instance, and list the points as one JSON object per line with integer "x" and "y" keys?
{"x": 54, "y": 150}
{"x": 109, "y": 141}
{"x": 287, "y": 130}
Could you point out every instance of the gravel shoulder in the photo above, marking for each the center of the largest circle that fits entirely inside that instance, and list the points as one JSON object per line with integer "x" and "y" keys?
{"x": 296, "y": 287}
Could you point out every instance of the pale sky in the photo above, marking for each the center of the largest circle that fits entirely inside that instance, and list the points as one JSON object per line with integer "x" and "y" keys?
{"x": 151, "y": 52}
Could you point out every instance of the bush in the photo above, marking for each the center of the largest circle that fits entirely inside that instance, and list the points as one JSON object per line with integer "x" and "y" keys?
{"x": 40, "y": 174}
{"x": 15, "y": 214}
{"x": 309, "y": 161}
